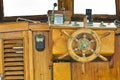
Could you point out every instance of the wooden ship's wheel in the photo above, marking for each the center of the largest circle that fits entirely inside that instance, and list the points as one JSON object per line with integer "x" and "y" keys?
{"x": 84, "y": 45}
{"x": 84, "y": 41}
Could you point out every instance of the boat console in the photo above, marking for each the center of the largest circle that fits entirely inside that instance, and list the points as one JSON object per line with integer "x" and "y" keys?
{"x": 41, "y": 51}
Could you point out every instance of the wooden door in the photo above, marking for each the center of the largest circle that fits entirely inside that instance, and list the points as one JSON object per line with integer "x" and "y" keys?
{"x": 14, "y": 51}
{"x": 41, "y": 59}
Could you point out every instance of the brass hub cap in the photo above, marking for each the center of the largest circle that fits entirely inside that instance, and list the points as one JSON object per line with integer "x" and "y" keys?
{"x": 83, "y": 44}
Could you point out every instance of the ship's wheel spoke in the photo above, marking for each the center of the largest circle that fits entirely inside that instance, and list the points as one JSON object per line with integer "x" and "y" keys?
{"x": 76, "y": 49}
{"x": 83, "y": 53}
{"x": 84, "y": 36}
{"x": 92, "y": 50}
{"x": 83, "y": 64}
{"x": 75, "y": 39}
{"x": 91, "y": 41}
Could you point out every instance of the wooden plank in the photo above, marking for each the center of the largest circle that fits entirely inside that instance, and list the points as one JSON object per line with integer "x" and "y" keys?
{"x": 42, "y": 70}
{"x": 1, "y": 56}
{"x": 60, "y": 38}
{"x": 12, "y": 50}
{"x": 39, "y": 27}
{"x": 14, "y": 77}
{"x": 13, "y": 41}
{"x": 14, "y": 73}
{"x": 13, "y": 46}
{"x": 95, "y": 71}
{"x": 14, "y": 64}
{"x": 13, "y": 26}
{"x": 62, "y": 71}
{"x": 108, "y": 42}
{"x": 31, "y": 55}
{"x": 14, "y": 59}
{"x": 12, "y": 35}
{"x": 18, "y": 68}
{"x": 50, "y": 42}
{"x": 13, "y": 55}
{"x": 26, "y": 55}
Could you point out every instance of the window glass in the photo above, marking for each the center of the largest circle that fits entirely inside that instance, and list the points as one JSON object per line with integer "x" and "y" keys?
{"x": 27, "y": 7}
{"x": 97, "y": 6}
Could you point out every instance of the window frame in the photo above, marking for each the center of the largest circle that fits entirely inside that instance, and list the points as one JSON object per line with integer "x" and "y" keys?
{"x": 42, "y": 18}
{"x": 70, "y": 7}
{"x": 97, "y": 17}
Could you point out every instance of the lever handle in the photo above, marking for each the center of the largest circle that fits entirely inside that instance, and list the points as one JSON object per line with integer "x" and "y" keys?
{"x": 102, "y": 57}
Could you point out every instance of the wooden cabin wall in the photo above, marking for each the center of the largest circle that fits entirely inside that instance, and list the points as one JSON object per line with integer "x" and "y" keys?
{"x": 99, "y": 70}
{"x": 94, "y": 70}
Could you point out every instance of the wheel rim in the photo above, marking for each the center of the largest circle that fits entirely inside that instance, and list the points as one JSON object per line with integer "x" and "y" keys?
{"x": 83, "y": 45}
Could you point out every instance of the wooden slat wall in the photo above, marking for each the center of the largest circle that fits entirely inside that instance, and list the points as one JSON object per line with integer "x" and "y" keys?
{"x": 99, "y": 70}
{"x": 14, "y": 62}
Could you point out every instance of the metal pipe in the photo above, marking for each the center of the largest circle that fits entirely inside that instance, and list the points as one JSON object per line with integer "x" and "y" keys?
{"x": 28, "y": 20}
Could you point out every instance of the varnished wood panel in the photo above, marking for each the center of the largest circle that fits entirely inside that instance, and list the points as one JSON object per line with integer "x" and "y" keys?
{"x": 60, "y": 41}
{"x": 39, "y": 27}
{"x": 10, "y": 56}
{"x": 41, "y": 59}
{"x": 26, "y": 55}
{"x": 13, "y": 26}
{"x": 1, "y": 57}
{"x": 31, "y": 55}
{"x": 40, "y": 63}
{"x": 62, "y": 71}
{"x": 99, "y": 70}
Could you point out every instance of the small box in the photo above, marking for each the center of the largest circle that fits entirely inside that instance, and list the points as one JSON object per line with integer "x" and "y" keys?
{"x": 58, "y": 19}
